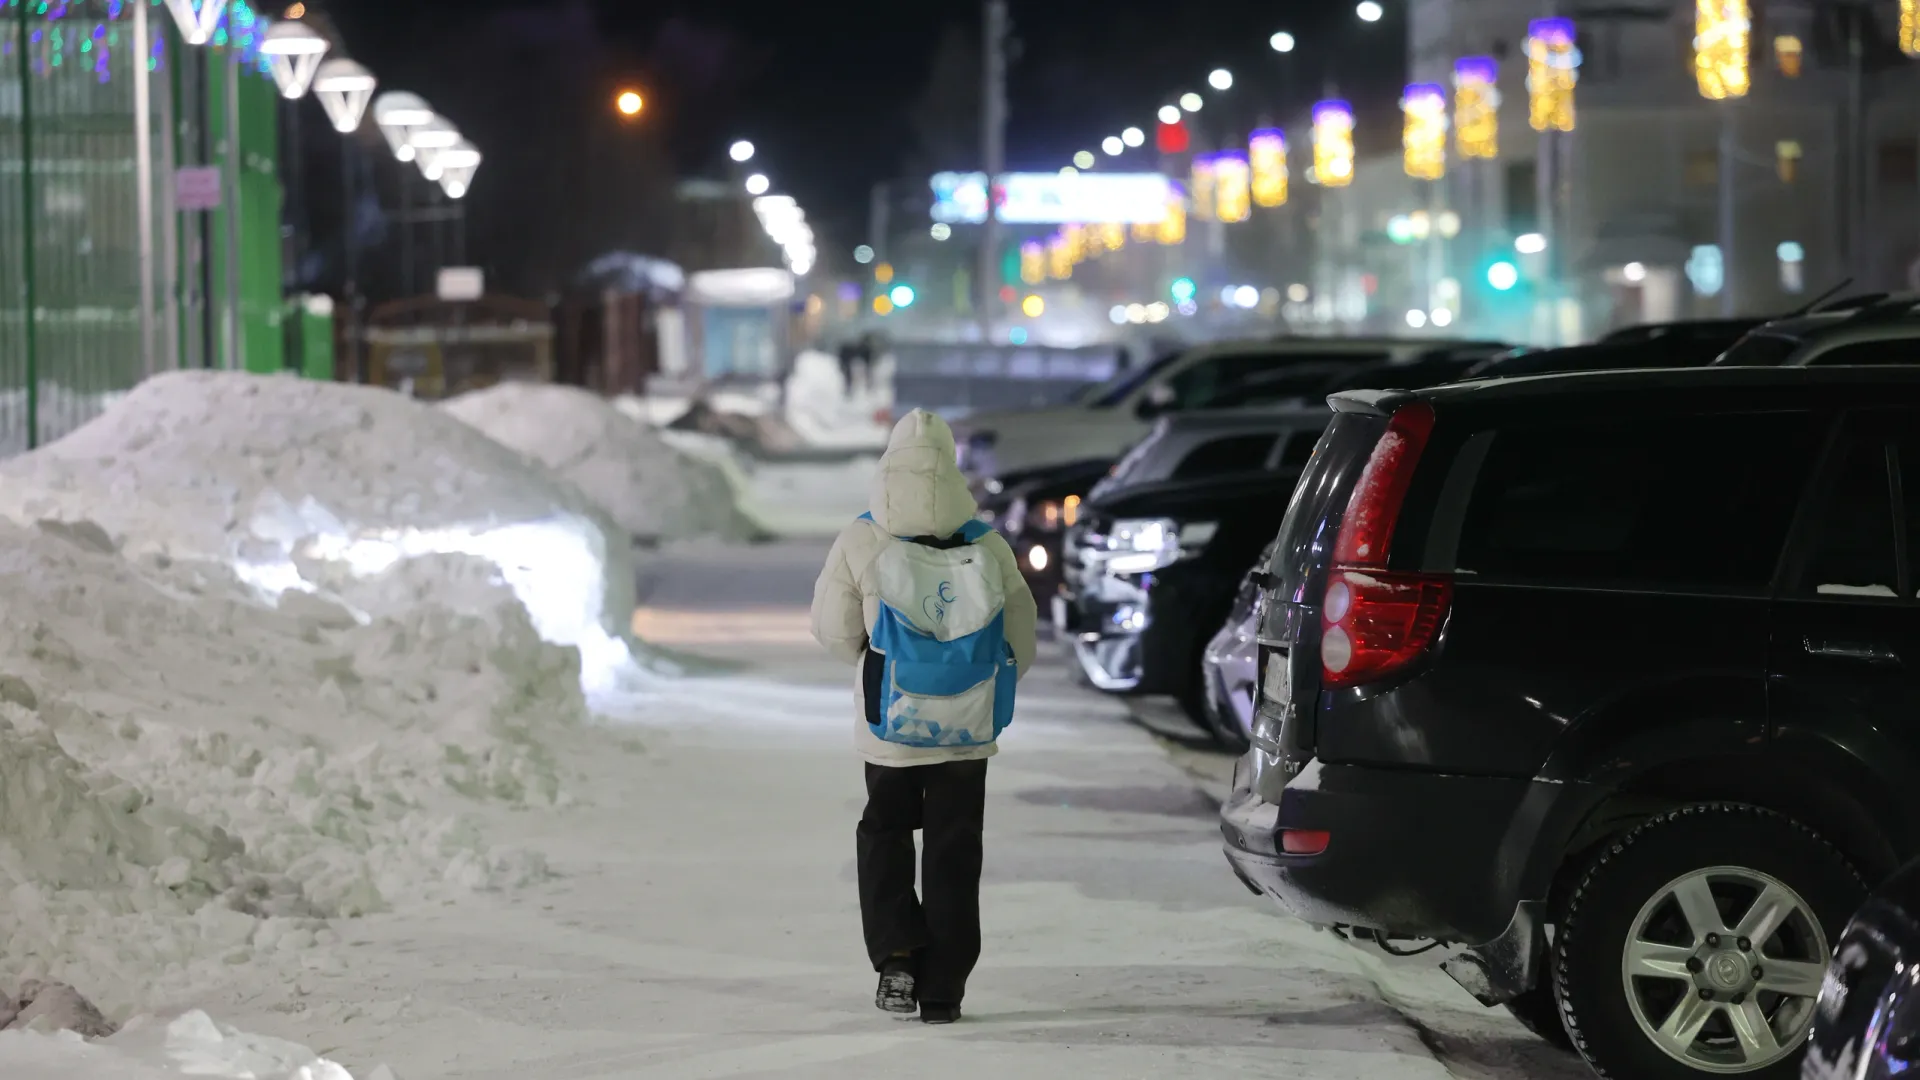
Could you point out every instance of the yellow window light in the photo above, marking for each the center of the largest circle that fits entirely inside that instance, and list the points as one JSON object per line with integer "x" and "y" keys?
{"x": 1788, "y": 51}
{"x": 1910, "y": 27}
{"x": 1333, "y": 143}
{"x": 1722, "y": 40}
{"x": 1476, "y": 107}
{"x": 1553, "y": 70}
{"x": 1786, "y": 155}
{"x": 1070, "y": 511}
{"x": 1424, "y": 142}
{"x": 1144, "y": 232}
{"x": 1267, "y": 158}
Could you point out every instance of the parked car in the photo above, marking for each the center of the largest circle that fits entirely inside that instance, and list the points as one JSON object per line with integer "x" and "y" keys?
{"x": 1709, "y": 330}
{"x": 1637, "y": 347}
{"x": 1151, "y": 568}
{"x": 1199, "y": 445}
{"x": 1883, "y": 331}
{"x": 1230, "y": 666}
{"x": 1043, "y": 508}
{"x": 1104, "y": 425}
{"x": 995, "y": 494}
{"x": 1623, "y": 656}
{"x": 1867, "y": 1026}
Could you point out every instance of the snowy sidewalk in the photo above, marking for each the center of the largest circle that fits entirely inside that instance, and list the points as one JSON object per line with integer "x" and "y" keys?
{"x": 703, "y": 923}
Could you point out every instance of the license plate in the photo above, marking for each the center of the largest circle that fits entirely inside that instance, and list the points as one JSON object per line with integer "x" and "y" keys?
{"x": 1059, "y": 614}
{"x": 1275, "y": 686}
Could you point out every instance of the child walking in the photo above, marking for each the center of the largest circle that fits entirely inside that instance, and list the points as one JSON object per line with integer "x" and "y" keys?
{"x": 929, "y": 604}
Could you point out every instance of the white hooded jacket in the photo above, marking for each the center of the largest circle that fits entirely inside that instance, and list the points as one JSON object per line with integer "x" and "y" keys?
{"x": 918, "y": 492}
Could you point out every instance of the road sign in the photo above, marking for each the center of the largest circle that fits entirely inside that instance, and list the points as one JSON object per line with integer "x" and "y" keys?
{"x": 197, "y": 187}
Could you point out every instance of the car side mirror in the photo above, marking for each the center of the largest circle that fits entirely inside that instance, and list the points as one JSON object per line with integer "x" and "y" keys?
{"x": 1158, "y": 399}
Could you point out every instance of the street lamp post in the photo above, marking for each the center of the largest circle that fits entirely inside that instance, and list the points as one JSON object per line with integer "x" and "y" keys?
{"x": 345, "y": 89}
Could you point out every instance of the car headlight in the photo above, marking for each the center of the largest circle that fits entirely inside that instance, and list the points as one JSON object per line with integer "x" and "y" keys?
{"x": 1142, "y": 545}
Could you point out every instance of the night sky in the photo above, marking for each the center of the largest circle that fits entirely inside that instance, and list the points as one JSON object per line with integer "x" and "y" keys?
{"x": 828, "y": 91}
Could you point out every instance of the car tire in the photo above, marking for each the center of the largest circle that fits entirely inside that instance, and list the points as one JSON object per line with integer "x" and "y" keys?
{"x": 1718, "y": 861}
{"x": 1539, "y": 1012}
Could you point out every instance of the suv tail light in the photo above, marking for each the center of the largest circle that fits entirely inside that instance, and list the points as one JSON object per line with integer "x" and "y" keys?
{"x": 1373, "y": 621}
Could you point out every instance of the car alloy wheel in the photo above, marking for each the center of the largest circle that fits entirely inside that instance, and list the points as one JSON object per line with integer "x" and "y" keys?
{"x": 1722, "y": 969}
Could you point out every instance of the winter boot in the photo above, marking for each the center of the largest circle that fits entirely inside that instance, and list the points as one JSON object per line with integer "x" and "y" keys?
{"x": 895, "y": 992}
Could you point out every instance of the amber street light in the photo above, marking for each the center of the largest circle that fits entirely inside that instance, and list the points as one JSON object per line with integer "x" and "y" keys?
{"x": 629, "y": 103}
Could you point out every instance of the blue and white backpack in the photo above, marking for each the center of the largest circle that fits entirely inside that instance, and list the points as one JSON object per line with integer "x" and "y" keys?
{"x": 939, "y": 672}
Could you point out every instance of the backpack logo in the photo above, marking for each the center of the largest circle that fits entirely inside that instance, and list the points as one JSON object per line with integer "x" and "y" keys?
{"x": 935, "y": 606}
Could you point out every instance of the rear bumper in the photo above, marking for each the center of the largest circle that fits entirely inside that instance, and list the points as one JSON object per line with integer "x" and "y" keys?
{"x": 1414, "y": 855}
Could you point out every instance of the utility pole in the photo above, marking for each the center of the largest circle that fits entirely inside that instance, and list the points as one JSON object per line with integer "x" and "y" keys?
{"x": 993, "y": 146}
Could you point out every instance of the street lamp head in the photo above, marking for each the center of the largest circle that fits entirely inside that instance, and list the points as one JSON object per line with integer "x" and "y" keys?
{"x": 197, "y": 22}
{"x": 757, "y": 184}
{"x": 741, "y": 151}
{"x": 1169, "y": 114}
{"x": 1134, "y": 137}
{"x": 344, "y": 89}
{"x": 629, "y": 103}
{"x": 1083, "y": 159}
{"x": 293, "y": 50}
{"x": 1113, "y": 146}
{"x": 1282, "y": 42}
{"x": 1220, "y": 79}
{"x": 1369, "y": 11}
{"x": 456, "y": 166}
{"x": 429, "y": 141}
{"x": 1191, "y": 102}
{"x": 397, "y": 113}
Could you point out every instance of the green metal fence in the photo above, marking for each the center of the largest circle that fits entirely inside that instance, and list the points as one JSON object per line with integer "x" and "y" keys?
{"x": 73, "y": 249}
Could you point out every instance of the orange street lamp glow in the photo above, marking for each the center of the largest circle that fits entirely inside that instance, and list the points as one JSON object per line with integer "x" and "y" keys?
{"x": 629, "y": 103}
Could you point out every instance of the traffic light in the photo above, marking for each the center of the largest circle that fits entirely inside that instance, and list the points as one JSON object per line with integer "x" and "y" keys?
{"x": 902, "y": 296}
{"x": 1183, "y": 289}
{"x": 1503, "y": 275}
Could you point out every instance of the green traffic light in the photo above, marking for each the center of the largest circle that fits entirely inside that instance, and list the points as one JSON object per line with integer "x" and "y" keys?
{"x": 1184, "y": 289}
{"x": 902, "y": 296}
{"x": 1503, "y": 275}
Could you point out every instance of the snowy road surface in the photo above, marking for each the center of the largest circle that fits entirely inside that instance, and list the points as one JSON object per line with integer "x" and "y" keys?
{"x": 702, "y": 920}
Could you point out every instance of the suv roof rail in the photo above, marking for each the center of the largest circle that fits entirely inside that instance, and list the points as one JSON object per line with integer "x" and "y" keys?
{"x": 1818, "y": 303}
{"x": 1887, "y": 308}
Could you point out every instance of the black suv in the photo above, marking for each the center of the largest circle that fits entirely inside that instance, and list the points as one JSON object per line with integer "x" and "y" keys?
{"x": 1599, "y": 683}
{"x": 1877, "y": 331}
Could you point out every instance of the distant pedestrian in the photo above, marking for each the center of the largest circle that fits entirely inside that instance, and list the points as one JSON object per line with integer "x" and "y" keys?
{"x": 930, "y": 604}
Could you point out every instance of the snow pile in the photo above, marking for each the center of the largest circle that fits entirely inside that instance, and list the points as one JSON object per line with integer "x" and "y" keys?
{"x": 317, "y": 487}
{"x": 652, "y": 490}
{"x": 150, "y": 1049}
{"x": 191, "y": 780}
{"x": 825, "y": 414}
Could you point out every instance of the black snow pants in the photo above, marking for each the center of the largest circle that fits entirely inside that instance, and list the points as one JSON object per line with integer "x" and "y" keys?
{"x": 941, "y": 926}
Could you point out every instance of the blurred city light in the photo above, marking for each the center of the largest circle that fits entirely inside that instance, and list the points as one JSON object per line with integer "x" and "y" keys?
{"x": 1246, "y": 296}
{"x": 1634, "y": 272}
{"x": 901, "y": 295}
{"x": 1282, "y": 42}
{"x": 1158, "y": 312}
{"x": 1441, "y": 317}
{"x": 1172, "y": 138}
{"x": 396, "y": 113}
{"x": 629, "y": 103}
{"x": 1169, "y": 114}
{"x": 1117, "y": 314}
{"x": 1033, "y": 307}
{"x": 1033, "y": 262}
{"x": 1173, "y": 227}
{"x": 757, "y": 184}
{"x": 1113, "y": 146}
{"x": 1084, "y": 159}
{"x": 1232, "y": 198}
{"x": 1133, "y": 136}
{"x": 1068, "y": 170}
{"x": 1191, "y": 102}
{"x": 1018, "y": 336}
{"x": 1788, "y": 49}
{"x": 1220, "y": 79}
{"x": 1416, "y": 318}
{"x": 1267, "y": 157}
{"x": 882, "y": 306}
{"x": 1722, "y": 46}
{"x": 344, "y": 89}
{"x": 1476, "y": 107}
{"x": 1910, "y": 27}
{"x": 1424, "y": 140}
{"x": 1707, "y": 269}
{"x": 1530, "y": 243}
{"x": 1503, "y": 275}
{"x": 1183, "y": 289}
{"x": 1369, "y": 11}
{"x": 883, "y": 273}
{"x": 1447, "y": 224}
{"x": 196, "y": 27}
{"x": 293, "y": 51}
{"x": 741, "y": 151}
{"x": 1298, "y": 293}
{"x": 1553, "y": 70}
{"x": 1333, "y": 143}
{"x": 1201, "y": 185}
{"x": 863, "y": 254}
{"x": 941, "y": 230}
{"x": 1136, "y": 313}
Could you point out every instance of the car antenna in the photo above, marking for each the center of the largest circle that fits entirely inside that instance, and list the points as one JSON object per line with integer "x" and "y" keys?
{"x": 1814, "y": 304}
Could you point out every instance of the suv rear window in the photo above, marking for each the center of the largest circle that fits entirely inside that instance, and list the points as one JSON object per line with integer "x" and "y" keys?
{"x": 1700, "y": 501}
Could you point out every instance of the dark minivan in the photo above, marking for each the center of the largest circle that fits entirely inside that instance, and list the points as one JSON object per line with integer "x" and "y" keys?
{"x": 1599, "y": 682}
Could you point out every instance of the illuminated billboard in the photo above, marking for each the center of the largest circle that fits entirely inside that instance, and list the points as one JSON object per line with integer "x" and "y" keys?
{"x": 1054, "y": 198}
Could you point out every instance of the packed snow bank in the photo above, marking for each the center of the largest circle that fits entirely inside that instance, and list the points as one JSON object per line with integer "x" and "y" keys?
{"x": 787, "y": 498}
{"x": 192, "y": 781}
{"x": 315, "y": 487}
{"x": 827, "y": 413}
{"x": 652, "y": 490}
{"x": 151, "y": 1049}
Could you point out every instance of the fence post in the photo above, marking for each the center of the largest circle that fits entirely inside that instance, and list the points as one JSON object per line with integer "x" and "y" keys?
{"x": 32, "y": 298}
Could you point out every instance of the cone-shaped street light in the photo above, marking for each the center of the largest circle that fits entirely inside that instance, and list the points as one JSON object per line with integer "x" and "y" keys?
{"x": 429, "y": 141}
{"x": 398, "y": 113}
{"x": 293, "y": 51}
{"x": 344, "y": 89}
{"x": 197, "y": 24}
{"x": 456, "y": 165}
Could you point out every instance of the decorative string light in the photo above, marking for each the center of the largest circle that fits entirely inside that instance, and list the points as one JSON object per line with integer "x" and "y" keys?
{"x": 1173, "y": 227}
{"x": 1033, "y": 262}
{"x": 1333, "y": 143}
{"x": 1476, "y": 107}
{"x": 1424, "y": 141}
{"x": 1267, "y": 157}
{"x": 1553, "y": 70}
{"x": 1059, "y": 259}
{"x": 1232, "y": 179}
{"x": 1113, "y": 236}
{"x": 1910, "y": 27}
{"x": 1203, "y": 185}
{"x": 1722, "y": 40}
